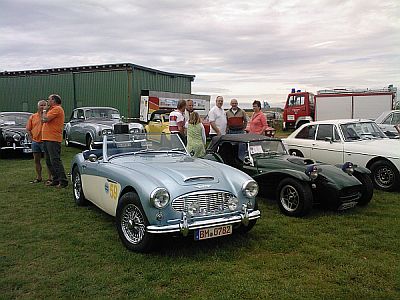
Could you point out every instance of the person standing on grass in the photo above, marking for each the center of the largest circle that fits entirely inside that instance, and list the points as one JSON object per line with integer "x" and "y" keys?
{"x": 196, "y": 136}
{"x": 217, "y": 117}
{"x": 236, "y": 118}
{"x": 258, "y": 122}
{"x": 34, "y": 130}
{"x": 53, "y": 124}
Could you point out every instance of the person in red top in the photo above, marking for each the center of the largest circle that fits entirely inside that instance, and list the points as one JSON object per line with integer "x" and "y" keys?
{"x": 34, "y": 130}
{"x": 258, "y": 123}
{"x": 52, "y": 130}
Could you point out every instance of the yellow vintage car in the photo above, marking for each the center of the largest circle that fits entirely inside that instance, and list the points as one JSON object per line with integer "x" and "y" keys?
{"x": 159, "y": 122}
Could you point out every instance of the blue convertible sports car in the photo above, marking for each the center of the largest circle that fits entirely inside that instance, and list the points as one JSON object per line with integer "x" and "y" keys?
{"x": 153, "y": 186}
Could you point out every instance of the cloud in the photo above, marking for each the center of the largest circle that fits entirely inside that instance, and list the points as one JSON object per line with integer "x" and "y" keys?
{"x": 238, "y": 49}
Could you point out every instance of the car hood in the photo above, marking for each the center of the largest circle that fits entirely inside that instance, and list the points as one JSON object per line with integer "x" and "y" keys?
{"x": 184, "y": 170}
{"x": 300, "y": 164}
{"x": 389, "y": 148}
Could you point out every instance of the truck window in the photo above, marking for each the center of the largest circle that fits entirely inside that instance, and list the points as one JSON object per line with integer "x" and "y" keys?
{"x": 325, "y": 131}
{"x": 296, "y": 100}
{"x": 307, "y": 132}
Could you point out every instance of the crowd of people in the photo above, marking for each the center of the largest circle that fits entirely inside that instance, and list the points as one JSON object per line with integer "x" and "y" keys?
{"x": 45, "y": 128}
{"x": 187, "y": 123}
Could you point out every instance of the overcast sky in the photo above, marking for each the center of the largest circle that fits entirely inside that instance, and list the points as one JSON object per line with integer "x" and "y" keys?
{"x": 243, "y": 49}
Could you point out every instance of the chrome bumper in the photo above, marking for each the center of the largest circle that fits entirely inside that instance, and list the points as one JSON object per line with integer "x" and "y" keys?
{"x": 185, "y": 226}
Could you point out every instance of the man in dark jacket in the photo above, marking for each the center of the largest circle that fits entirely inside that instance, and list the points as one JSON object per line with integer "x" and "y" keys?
{"x": 236, "y": 118}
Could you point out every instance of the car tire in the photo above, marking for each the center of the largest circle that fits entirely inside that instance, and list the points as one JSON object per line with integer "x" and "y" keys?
{"x": 296, "y": 153}
{"x": 367, "y": 188}
{"x": 295, "y": 199}
{"x": 245, "y": 229}
{"x": 385, "y": 176}
{"x": 79, "y": 197}
{"x": 132, "y": 224}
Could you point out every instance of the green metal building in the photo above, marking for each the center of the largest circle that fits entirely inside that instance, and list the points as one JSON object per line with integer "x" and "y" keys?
{"x": 115, "y": 85}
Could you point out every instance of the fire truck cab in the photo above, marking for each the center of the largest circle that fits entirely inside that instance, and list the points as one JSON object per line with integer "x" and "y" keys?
{"x": 299, "y": 109}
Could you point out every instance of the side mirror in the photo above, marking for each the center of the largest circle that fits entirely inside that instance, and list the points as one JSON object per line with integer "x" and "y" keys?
{"x": 93, "y": 157}
{"x": 328, "y": 139}
{"x": 191, "y": 153}
{"x": 247, "y": 160}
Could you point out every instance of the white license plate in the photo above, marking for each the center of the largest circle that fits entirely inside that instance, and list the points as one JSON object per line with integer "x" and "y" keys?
{"x": 208, "y": 233}
{"x": 27, "y": 150}
{"x": 290, "y": 117}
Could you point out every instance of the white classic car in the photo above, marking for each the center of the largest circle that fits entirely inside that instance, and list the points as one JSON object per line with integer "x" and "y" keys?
{"x": 360, "y": 141}
{"x": 388, "y": 121}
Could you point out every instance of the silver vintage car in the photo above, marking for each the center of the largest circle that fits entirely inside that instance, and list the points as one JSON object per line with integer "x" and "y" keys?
{"x": 86, "y": 125}
{"x": 153, "y": 186}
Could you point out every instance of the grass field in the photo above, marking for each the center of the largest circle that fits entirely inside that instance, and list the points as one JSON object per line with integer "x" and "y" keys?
{"x": 50, "y": 248}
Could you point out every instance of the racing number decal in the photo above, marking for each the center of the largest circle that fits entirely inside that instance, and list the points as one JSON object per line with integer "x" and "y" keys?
{"x": 113, "y": 191}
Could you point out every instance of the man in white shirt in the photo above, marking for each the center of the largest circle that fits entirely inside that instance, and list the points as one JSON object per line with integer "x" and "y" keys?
{"x": 217, "y": 118}
{"x": 177, "y": 120}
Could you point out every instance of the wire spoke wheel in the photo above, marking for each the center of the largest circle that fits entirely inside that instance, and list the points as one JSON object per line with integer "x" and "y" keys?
{"x": 77, "y": 185}
{"x": 133, "y": 224}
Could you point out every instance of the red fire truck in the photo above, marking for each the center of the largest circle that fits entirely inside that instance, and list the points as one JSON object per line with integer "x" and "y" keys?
{"x": 303, "y": 107}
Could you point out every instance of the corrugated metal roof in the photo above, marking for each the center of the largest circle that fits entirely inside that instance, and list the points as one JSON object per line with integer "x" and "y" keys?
{"x": 107, "y": 67}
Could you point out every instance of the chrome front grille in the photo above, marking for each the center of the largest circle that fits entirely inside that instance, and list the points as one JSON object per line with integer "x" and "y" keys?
{"x": 209, "y": 201}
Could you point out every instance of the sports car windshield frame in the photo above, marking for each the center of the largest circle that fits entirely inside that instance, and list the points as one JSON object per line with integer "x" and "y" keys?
{"x": 142, "y": 143}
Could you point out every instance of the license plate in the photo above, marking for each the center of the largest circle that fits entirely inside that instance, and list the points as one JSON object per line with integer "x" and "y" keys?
{"x": 208, "y": 233}
{"x": 27, "y": 150}
{"x": 290, "y": 117}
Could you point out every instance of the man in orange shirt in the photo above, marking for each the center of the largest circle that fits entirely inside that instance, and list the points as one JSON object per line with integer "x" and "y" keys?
{"x": 34, "y": 129}
{"x": 52, "y": 130}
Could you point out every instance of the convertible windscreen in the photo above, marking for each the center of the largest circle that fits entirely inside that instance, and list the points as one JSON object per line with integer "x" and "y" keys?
{"x": 362, "y": 130}
{"x": 267, "y": 147}
{"x": 143, "y": 144}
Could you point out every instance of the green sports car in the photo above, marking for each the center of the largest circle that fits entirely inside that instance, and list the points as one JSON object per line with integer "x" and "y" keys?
{"x": 298, "y": 182}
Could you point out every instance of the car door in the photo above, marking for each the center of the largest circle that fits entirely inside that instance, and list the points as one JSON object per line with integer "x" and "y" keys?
{"x": 75, "y": 125}
{"x": 100, "y": 185}
{"x": 303, "y": 142}
{"x": 327, "y": 146}
{"x": 80, "y": 128}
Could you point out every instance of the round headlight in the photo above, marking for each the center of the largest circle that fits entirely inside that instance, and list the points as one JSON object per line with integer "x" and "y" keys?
{"x": 348, "y": 167}
{"x": 312, "y": 171}
{"x": 233, "y": 203}
{"x": 159, "y": 198}
{"x": 16, "y": 137}
{"x": 250, "y": 188}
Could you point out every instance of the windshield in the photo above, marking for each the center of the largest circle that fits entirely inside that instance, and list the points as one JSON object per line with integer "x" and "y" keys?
{"x": 14, "y": 119}
{"x": 361, "y": 131}
{"x": 102, "y": 113}
{"x": 266, "y": 147}
{"x": 143, "y": 144}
